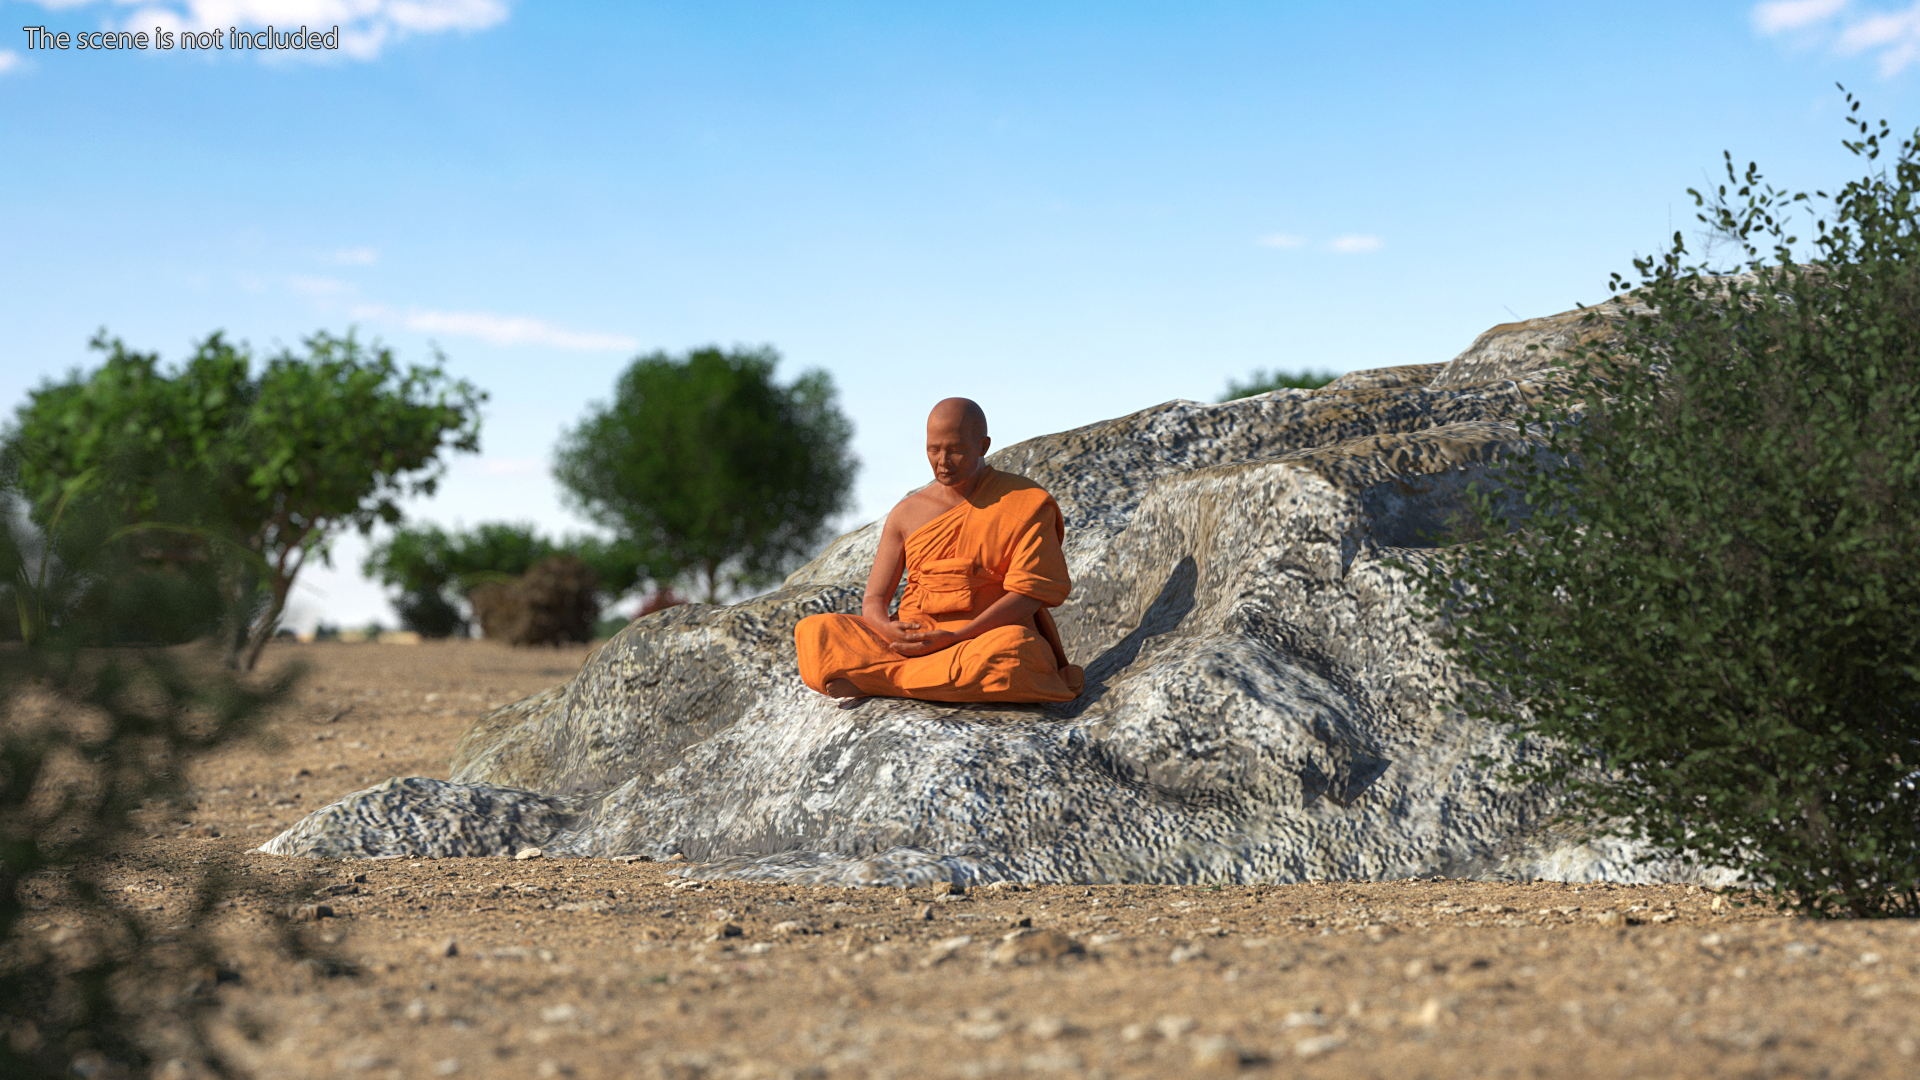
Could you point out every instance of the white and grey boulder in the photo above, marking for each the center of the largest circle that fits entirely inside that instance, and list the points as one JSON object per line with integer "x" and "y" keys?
{"x": 1263, "y": 701}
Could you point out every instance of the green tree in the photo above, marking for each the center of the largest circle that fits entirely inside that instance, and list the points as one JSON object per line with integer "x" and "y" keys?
{"x": 1263, "y": 381}
{"x": 1701, "y": 595}
{"x": 257, "y": 472}
{"x": 710, "y": 470}
{"x": 435, "y": 571}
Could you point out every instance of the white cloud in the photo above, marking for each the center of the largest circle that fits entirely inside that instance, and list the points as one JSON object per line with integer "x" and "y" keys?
{"x": 1283, "y": 240}
{"x": 8, "y": 61}
{"x": 1356, "y": 243}
{"x": 366, "y": 26}
{"x": 319, "y": 288}
{"x": 1891, "y": 37}
{"x": 1780, "y": 15}
{"x": 511, "y": 330}
{"x": 1896, "y": 37}
{"x": 360, "y": 256}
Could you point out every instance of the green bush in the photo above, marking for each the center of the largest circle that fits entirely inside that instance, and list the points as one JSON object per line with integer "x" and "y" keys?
{"x": 435, "y": 571}
{"x": 1263, "y": 381}
{"x": 1708, "y": 600}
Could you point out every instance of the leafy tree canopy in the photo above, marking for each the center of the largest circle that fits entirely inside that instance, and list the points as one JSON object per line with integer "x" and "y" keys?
{"x": 709, "y": 469}
{"x": 1708, "y": 615}
{"x": 1262, "y": 381}
{"x": 255, "y": 468}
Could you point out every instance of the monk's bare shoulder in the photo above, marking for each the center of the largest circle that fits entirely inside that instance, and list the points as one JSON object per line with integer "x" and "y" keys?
{"x": 918, "y": 508}
{"x": 1007, "y": 483}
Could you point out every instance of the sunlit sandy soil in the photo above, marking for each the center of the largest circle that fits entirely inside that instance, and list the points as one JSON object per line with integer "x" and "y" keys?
{"x": 599, "y": 968}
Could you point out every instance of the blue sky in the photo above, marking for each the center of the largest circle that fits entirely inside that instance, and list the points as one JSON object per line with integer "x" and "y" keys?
{"x": 1068, "y": 211}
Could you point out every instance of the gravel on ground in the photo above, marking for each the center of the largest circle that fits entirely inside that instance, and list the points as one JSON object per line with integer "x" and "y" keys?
{"x": 549, "y": 967}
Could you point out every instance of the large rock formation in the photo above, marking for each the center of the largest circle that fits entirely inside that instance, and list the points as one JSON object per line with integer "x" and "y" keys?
{"x": 1262, "y": 703}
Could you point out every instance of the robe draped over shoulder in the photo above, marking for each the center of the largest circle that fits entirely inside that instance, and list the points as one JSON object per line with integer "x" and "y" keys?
{"x": 1004, "y": 538}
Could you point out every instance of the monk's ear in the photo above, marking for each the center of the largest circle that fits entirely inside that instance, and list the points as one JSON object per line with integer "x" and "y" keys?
{"x": 985, "y": 443}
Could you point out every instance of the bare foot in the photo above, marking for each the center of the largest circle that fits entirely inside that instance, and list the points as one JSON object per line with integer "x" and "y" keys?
{"x": 843, "y": 688}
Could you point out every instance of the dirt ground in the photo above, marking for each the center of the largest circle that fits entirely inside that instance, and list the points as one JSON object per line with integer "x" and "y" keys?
{"x": 602, "y": 968}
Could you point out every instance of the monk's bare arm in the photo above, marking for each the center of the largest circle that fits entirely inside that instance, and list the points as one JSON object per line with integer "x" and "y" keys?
{"x": 884, "y": 580}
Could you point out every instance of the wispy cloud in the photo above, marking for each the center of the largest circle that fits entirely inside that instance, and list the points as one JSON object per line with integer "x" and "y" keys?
{"x": 1891, "y": 37}
{"x": 366, "y": 26}
{"x": 1349, "y": 244}
{"x": 319, "y": 288}
{"x": 509, "y": 330}
{"x": 360, "y": 256}
{"x": 337, "y": 295}
{"x": 1356, "y": 243}
{"x": 9, "y": 61}
{"x": 1895, "y": 37}
{"x": 1777, "y": 16}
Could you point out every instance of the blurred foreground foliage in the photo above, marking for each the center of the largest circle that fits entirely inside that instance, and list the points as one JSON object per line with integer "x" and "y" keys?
{"x": 88, "y": 737}
{"x": 1703, "y": 593}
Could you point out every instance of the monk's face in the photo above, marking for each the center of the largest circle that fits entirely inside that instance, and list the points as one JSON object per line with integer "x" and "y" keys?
{"x": 956, "y": 448}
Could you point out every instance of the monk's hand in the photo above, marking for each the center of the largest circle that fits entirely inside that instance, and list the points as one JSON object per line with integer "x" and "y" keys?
{"x": 922, "y": 642}
{"x": 897, "y": 632}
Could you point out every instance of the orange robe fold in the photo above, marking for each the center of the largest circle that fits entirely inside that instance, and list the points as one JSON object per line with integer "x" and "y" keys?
{"x": 1004, "y": 538}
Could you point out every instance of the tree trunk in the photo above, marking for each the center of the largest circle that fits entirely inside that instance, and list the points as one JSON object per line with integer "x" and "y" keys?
{"x": 713, "y": 583}
{"x": 234, "y": 626}
{"x": 269, "y": 620}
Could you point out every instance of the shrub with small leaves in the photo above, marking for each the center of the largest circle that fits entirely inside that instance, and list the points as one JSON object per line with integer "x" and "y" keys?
{"x": 1706, "y": 597}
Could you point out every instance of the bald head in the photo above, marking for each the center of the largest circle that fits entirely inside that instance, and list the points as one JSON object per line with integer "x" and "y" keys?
{"x": 964, "y": 415}
{"x": 957, "y": 442}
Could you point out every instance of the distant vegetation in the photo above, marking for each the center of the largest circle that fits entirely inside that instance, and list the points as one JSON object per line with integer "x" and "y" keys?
{"x": 441, "y": 579}
{"x": 714, "y": 475}
{"x": 1263, "y": 381}
{"x": 202, "y": 492}
{"x": 1708, "y": 619}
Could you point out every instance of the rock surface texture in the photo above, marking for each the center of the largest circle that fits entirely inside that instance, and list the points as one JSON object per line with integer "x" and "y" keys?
{"x": 1263, "y": 702}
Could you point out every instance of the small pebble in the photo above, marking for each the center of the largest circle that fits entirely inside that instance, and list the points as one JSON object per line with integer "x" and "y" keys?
{"x": 1217, "y": 1052}
{"x": 1050, "y": 1027}
{"x": 1317, "y": 1045}
{"x": 1171, "y": 1028}
{"x": 1031, "y": 946}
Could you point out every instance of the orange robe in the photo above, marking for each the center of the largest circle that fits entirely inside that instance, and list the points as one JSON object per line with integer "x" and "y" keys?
{"x": 1004, "y": 538}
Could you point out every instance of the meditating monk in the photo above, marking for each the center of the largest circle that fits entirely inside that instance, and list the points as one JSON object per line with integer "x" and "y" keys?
{"x": 981, "y": 549}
